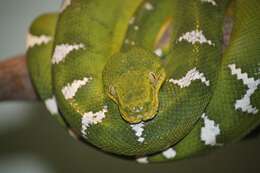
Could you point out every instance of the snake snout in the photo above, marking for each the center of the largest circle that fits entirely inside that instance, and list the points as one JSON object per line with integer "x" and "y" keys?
{"x": 137, "y": 109}
{"x": 136, "y": 114}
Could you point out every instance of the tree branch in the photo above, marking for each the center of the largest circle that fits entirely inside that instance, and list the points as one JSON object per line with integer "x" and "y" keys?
{"x": 15, "y": 82}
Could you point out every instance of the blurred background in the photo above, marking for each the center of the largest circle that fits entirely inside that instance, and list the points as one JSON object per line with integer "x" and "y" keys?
{"x": 32, "y": 142}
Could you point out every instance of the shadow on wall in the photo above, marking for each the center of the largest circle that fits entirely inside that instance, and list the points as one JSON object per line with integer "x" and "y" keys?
{"x": 15, "y": 17}
{"x": 40, "y": 137}
{"x": 23, "y": 163}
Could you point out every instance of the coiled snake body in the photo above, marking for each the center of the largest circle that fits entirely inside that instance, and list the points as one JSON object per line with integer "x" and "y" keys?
{"x": 150, "y": 79}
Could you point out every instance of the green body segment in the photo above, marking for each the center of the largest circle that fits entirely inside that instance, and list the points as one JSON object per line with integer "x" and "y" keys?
{"x": 39, "y": 61}
{"x": 233, "y": 123}
{"x": 39, "y": 52}
{"x": 182, "y": 107}
{"x": 163, "y": 60}
{"x": 147, "y": 28}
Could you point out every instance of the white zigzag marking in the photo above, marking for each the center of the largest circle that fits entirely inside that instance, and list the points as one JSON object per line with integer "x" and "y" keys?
{"x": 70, "y": 90}
{"x": 210, "y": 1}
{"x": 192, "y": 75}
{"x": 148, "y": 6}
{"x": 132, "y": 21}
{"x": 61, "y": 51}
{"x": 33, "y": 40}
{"x": 143, "y": 160}
{"x": 252, "y": 84}
{"x": 195, "y": 36}
{"x": 158, "y": 52}
{"x": 136, "y": 28}
{"x": 65, "y": 4}
{"x": 169, "y": 153}
{"x": 51, "y": 105}
{"x": 91, "y": 118}
{"x": 138, "y": 128}
{"x": 210, "y": 131}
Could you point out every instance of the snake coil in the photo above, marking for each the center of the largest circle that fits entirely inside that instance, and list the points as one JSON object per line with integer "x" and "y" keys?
{"x": 151, "y": 80}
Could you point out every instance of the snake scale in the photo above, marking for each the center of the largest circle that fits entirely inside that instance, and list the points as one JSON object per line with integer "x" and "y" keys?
{"x": 150, "y": 80}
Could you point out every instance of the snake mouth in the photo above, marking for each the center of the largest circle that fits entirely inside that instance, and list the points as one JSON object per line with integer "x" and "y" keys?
{"x": 137, "y": 114}
{"x": 134, "y": 118}
{"x": 141, "y": 110}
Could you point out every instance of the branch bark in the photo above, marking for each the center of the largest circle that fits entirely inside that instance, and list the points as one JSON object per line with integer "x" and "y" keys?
{"x": 15, "y": 82}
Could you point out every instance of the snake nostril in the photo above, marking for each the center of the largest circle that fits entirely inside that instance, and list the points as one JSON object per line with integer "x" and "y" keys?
{"x": 137, "y": 109}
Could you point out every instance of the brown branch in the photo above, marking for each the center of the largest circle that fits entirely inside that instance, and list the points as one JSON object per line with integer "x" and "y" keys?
{"x": 15, "y": 83}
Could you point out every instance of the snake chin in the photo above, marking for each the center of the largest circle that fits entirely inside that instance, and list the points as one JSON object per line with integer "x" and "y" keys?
{"x": 141, "y": 113}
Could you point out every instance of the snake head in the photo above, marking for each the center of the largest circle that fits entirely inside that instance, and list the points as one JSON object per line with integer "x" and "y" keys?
{"x": 133, "y": 80}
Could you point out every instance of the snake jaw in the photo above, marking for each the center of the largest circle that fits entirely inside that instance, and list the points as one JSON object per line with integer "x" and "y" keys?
{"x": 142, "y": 112}
{"x": 137, "y": 117}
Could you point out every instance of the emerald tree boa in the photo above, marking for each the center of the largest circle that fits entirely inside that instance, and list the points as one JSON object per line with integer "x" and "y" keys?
{"x": 148, "y": 79}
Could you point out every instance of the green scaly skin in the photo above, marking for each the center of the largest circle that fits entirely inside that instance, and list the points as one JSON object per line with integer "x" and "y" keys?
{"x": 41, "y": 72}
{"x": 118, "y": 95}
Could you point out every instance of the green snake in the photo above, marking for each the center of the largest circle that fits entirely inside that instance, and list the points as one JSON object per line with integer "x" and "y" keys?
{"x": 150, "y": 80}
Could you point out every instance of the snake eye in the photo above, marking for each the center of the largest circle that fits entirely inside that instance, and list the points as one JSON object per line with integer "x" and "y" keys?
{"x": 153, "y": 78}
